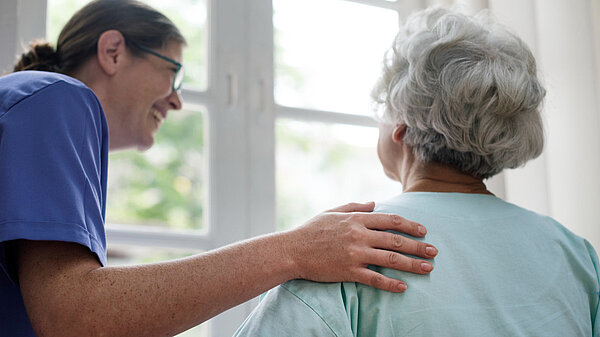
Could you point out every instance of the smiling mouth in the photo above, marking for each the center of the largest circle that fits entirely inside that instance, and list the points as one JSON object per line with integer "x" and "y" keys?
{"x": 157, "y": 115}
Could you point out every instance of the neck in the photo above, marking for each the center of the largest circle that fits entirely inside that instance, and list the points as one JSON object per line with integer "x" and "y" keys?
{"x": 91, "y": 75}
{"x": 432, "y": 177}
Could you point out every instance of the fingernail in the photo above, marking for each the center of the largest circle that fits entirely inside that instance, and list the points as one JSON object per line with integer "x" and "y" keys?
{"x": 402, "y": 287}
{"x": 426, "y": 267}
{"x": 422, "y": 230}
{"x": 431, "y": 251}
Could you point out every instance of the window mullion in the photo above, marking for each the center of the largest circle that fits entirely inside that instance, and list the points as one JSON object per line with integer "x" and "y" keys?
{"x": 378, "y": 3}
{"x": 20, "y": 22}
{"x": 229, "y": 137}
{"x": 227, "y": 118}
{"x": 313, "y": 115}
{"x": 157, "y": 237}
{"x": 261, "y": 118}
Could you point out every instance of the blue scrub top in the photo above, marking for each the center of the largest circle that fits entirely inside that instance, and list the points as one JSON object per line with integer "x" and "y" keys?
{"x": 53, "y": 165}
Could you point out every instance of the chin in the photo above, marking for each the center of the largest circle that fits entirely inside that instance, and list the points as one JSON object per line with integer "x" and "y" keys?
{"x": 146, "y": 144}
{"x": 390, "y": 175}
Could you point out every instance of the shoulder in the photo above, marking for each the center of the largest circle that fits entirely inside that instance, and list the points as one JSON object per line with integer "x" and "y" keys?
{"x": 458, "y": 206}
{"x": 299, "y": 308}
{"x": 36, "y": 101}
{"x": 19, "y": 86}
{"x": 478, "y": 216}
{"x": 306, "y": 290}
{"x": 323, "y": 299}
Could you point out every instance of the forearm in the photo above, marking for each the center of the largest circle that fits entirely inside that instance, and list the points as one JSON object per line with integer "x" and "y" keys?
{"x": 159, "y": 299}
{"x": 66, "y": 292}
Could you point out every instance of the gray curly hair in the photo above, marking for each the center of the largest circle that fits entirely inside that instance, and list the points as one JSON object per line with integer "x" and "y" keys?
{"x": 467, "y": 90}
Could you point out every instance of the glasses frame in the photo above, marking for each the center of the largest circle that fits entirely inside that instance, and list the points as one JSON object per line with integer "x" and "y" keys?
{"x": 168, "y": 59}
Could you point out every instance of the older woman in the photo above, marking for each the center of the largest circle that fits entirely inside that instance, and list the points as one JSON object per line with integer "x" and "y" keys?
{"x": 460, "y": 102}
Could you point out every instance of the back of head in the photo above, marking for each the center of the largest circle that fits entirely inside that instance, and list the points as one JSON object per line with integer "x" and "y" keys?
{"x": 78, "y": 39}
{"x": 467, "y": 89}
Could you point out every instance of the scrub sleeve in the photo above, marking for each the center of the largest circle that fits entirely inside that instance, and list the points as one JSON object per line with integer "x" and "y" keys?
{"x": 53, "y": 164}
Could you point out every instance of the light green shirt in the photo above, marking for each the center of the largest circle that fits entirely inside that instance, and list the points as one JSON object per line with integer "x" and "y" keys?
{"x": 501, "y": 271}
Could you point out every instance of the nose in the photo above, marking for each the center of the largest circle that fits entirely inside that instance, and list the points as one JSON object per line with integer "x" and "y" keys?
{"x": 174, "y": 100}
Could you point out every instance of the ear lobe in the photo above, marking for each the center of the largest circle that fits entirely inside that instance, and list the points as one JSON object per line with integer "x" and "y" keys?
{"x": 111, "y": 51}
{"x": 398, "y": 133}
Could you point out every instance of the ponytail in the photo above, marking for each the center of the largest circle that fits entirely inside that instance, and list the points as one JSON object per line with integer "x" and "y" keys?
{"x": 41, "y": 56}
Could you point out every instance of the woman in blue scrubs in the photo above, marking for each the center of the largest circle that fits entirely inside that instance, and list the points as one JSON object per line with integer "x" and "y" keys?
{"x": 108, "y": 85}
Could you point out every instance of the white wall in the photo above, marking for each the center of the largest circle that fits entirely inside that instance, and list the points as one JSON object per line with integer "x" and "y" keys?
{"x": 20, "y": 22}
{"x": 564, "y": 182}
{"x": 526, "y": 186}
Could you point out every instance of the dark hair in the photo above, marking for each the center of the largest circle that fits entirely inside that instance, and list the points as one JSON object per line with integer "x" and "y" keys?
{"x": 41, "y": 56}
{"x": 78, "y": 40}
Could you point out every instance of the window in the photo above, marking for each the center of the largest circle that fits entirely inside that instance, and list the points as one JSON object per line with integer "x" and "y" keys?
{"x": 275, "y": 127}
{"x": 331, "y": 63}
{"x": 324, "y": 72}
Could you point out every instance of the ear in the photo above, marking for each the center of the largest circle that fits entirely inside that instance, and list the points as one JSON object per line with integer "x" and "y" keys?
{"x": 111, "y": 51}
{"x": 398, "y": 133}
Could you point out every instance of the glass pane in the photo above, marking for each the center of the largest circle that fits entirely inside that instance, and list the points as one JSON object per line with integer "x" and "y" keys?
{"x": 188, "y": 15}
{"x": 190, "y": 18}
{"x": 59, "y": 12}
{"x": 164, "y": 186}
{"x": 124, "y": 255}
{"x": 329, "y": 53}
{"x": 320, "y": 166}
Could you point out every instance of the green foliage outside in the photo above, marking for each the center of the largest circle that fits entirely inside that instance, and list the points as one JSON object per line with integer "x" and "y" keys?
{"x": 320, "y": 166}
{"x": 165, "y": 185}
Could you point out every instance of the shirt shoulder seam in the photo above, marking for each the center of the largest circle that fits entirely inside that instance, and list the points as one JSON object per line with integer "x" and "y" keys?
{"x": 39, "y": 90}
{"x": 312, "y": 309}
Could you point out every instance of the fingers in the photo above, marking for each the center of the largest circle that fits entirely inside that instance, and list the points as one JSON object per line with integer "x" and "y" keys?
{"x": 379, "y": 281}
{"x": 354, "y": 207}
{"x": 402, "y": 244}
{"x": 383, "y": 221}
{"x": 387, "y": 259}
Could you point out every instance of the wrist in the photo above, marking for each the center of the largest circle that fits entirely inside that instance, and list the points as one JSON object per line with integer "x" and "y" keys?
{"x": 290, "y": 252}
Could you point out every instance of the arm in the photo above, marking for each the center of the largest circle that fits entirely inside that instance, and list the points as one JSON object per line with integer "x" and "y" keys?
{"x": 67, "y": 292}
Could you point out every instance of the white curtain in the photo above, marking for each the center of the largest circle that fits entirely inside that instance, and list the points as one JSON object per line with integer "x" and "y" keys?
{"x": 565, "y": 181}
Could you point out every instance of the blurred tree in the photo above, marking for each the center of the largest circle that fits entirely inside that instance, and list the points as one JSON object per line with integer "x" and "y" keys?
{"x": 165, "y": 185}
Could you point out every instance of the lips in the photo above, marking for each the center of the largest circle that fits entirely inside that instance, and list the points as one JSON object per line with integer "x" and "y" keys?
{"x": 158, "y": 115}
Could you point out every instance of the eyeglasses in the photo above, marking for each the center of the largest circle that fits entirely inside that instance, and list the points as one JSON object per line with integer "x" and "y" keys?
{"x": 178, "y": 78}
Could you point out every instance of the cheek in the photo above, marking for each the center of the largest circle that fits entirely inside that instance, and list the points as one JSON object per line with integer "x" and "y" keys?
{"x": 163, "y": 83}
{"x": 379, "y": 150}
{"x": 165, "y": 86}
{"x": 152, "y": 86}
{"x": 382, "y": 153}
